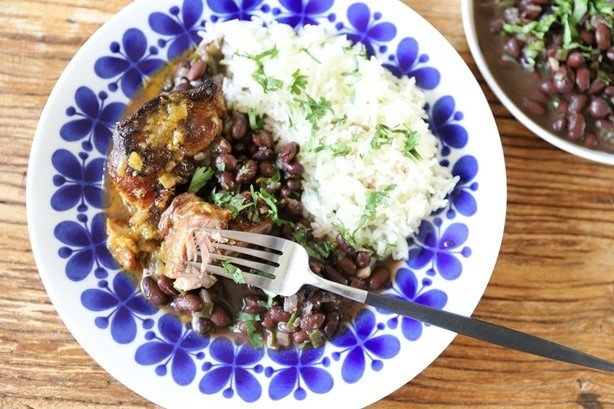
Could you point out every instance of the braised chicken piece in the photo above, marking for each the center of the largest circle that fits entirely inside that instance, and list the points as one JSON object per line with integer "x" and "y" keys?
{"x": 155, "y": 149}
{"x": 182, "y": 225}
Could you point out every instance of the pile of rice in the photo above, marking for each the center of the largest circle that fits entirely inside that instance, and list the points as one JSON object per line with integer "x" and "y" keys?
{"x": 378, "y": 196}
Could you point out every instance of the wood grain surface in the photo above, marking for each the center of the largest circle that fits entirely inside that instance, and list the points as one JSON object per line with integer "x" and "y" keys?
{"x": 554, "y": 277}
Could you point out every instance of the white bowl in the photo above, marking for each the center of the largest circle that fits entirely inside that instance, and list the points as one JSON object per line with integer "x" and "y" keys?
{"x": 472, "y": 39}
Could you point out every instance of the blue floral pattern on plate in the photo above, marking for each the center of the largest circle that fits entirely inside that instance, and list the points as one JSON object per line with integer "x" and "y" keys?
{"x": 221, "y": 366}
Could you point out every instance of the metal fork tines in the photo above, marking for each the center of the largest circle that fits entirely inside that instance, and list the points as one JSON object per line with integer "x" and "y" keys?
{"x": 285, "y": 268}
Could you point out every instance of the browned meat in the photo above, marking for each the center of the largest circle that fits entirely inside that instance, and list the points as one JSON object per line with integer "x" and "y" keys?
{"x": 184, "y": 240}
{"x": 153, "y": 149}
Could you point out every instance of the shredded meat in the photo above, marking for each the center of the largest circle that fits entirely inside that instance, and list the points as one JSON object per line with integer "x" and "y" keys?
{"x": 154, "y": 149}
{"x": 184, "y": 240}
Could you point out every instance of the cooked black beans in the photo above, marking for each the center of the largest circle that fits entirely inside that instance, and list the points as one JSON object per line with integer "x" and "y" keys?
{"x": 312, "y": 322}
{"x": 294, "y": 207}
{"x": 345, "y": 246}
{"x": 225, "y": 162}
{"x": 202, "y": 326}
{"x": 300, "y": 336}
{"x": 603, "y": 36}
{"x": 347, "y": 266}
{"x": 316, "y": 266}
{"x": 152, "y": 292}
{"x": 577, "y": 103}
{"x": 263, "y": 139}
{"x": 379, "y": 278}
{"x": 263, "y": 153}
{"x": 512, "y": 47}
{"x": 247, "y": 171}
{"x": 599, "y": 108}
{"x": 220, "y": 316}
{"x": 166, "y": 285}
{"x": 533, "y": 107}
{"x": 188, "y": 302}
{"x": 576, "y": 126}
{"x": 331, "y": 324}
{"x": 363, "y": 259}
{"x": 220, "y": 146}
{"x": 288, "y": 152}
{"x": 331, "y": 273}
{"x": 226, "y": 180}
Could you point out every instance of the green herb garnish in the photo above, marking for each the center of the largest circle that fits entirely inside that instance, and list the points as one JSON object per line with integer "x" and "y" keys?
{"x": 236, "y": 272}
{"x": 254, "y": 336}
{"x": 374, "y": 198}
{"x": 306, "y": 51}
{"x": 255, "y": 121}
{"x": 299, "y": 82}
{"x": 317, "y": 250}
{"x": 384, "y": 134}
{"x": 315, "y": 110}
{"x": 200, "y": 178}
{"x": 229, "y": 201}
{"x": 266, "y": 82}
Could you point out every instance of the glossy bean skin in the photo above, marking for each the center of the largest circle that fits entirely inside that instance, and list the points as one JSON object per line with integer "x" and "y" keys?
{"x": 166, "y": 285}
{"x": 188, "y": 302}
{"x": 220, "y": 316}
{"x": 152, "y": 291}
{"x": 534, "y": 107}
{"x": 379, "y": 278}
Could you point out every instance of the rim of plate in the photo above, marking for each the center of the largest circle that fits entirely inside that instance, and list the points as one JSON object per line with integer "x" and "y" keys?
{"x": 476, "y": 51}
{"x": 37, "y": 188}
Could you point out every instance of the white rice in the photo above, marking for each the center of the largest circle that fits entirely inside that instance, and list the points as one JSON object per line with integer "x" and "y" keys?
{"x": 337, "y": 186}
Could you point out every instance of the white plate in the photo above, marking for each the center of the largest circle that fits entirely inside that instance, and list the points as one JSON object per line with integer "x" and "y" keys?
{"x": 451, "y": 259}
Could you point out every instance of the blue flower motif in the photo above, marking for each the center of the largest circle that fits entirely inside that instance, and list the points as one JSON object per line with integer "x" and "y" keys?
{"x": 235, "y": 9}
{"x": 130, "y": 66}
{"x": 95, "y": 119}
{"x": 410, "y": 63}
{"x": 297, "y": 365}
{"x": 305, "y": 12}
{"x": 87, "y": 247}
{"x": 439, "y": 251}
{"x": 461, "y": 199}
{"x": 178, "y": 346}
{"x": 183, "y": 30}
{"x": 443, "y": 122}
{"x": 406, "y": 287}
{"x": 125, "y": 303}
{"x": 77, "y": 182}
{"x": 236, "y": 362}
{"x": 366, "y": 30}
{"x": 360, "y": 341}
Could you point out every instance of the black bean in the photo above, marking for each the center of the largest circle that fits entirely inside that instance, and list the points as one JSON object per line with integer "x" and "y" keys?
{"x": 294, "y": 207}
{"x": 596, "y": 87}
{"x": 331, "y": 273}
{"x": 294, "y": 184}
{"x": 512, "y": 47}
{"x": 331, "y": 325}
{"x": 548, "y": 87}
{"x": 316, "y": 266}
{"x": 278, "y": 314}
{"x": 202, "y": 326}
{"x": 300, "y": 336}
{"x": 530, "y": 12}
{"x": 559, "y": 125}
{"x": 288, "y": 151}
{"x": 496, "y": 25}
{"x": 263, "y": 154}
{"x": 220, "y": 316}
{"x": 266, "y": 169}
{"x": 254, "y": 309}
{"x": 609, "y": 91}
{"x": 225, "y": 162}
{"x": 251, "y": 299}
{"x": 189, "y": 302}
{"x": 239, "y": 147}
{"x": 347, "y": 266}
{"x": 583, "y": 79}
{"x": 575, "y": 59}
{"x": 577, "y": 103}
{"x": 285, "y": 192}
{"x": 358, "y": 283}
{"x": 312, "y": 322}
{"x": 197, "y": 70}
{"x": 226, "y": 180}
{"x": 345, "y": 246}
{"x": 293, "y": 168}
{"x": 239, "y": 126}
{"x": 533, "y": 107}
{"x": 599, "y": 108}
{"x": 563, "y": 80}
{"x": 363, "y": 259}
{"x": 221, "y": 145}
{"x": 562, "y": 107}
{"x": 603, "y": 36}
{"x": 576, "y": 126}
{"x": 268, "y": 323}
{"x": 152, "y": 292}
{"x": 610, "y": 54}
{"x": 379, "y": 278}
{"x": 587, "y": 37}
{"x": 263, "y": 139}
{"x": 166, "y": 285}
{"x": 247, "y": 172}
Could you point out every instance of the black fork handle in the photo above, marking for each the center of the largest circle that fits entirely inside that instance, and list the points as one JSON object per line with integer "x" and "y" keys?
{"x": 488, "y": 332}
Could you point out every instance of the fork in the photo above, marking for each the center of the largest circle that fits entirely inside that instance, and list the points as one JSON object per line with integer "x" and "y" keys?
{"x": 283, "y": 270}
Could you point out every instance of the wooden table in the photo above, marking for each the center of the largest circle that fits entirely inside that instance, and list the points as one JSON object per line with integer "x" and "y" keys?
{"x": 554, "y": 277}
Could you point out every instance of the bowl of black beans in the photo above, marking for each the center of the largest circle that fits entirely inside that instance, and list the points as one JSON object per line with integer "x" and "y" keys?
{"x": 551, "y": 63}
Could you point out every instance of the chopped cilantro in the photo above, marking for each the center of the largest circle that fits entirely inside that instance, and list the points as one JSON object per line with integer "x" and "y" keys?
{"x": 266, "y": 82}
{"x": 384, "y": 134}
{"x": 200, "y": 178}
{"x": 340, "y": 120}
{"x": 299, "y": 82}
{"x": 236, "y": 272}
{"x": 256, "y": 122}
{"x": 374, "y": 198}
{"x": 315, "y": 110}
{"x": 254, "y": 336}
{"x": 233, "y": 202}
{"x": 411, "y": 142}
{"x": 244, "y": 316}
{"x": 271, "y": 203}
{"x": 320, "y": 251}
